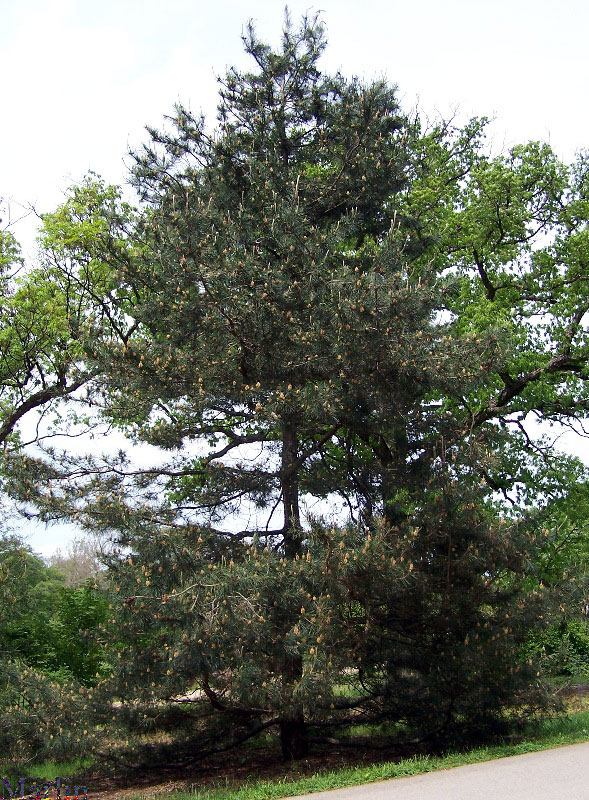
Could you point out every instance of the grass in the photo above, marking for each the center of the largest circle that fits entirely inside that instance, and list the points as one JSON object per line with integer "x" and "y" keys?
{"x": 554, "y": 732}
{"x": 51, "y": 769}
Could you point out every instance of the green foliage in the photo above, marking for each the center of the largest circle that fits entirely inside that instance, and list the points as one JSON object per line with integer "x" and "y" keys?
{"x": 323, "y": 302}
{"x": 45, "y": 625}
{"x": 566, "y": 648}
{"x": 37, "y": 350}
{"x": 27, "y": 587}
{"x": 10, "y": 257}
{"x": 41, "y": 715}
{"x": 50, "y": 652}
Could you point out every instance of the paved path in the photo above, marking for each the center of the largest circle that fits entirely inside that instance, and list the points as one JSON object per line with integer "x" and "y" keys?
{"x": 558, "y": 774}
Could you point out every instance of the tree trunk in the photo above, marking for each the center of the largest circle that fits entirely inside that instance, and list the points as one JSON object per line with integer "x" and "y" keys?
{"x": 290, "y": 492}
{"x": 293, "y": 728}
{"x": 293, "y": 739}
{"x": 391, "y": 467}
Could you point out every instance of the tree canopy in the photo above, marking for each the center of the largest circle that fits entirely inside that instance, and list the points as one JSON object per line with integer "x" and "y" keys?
{"x": 336, "y": 325}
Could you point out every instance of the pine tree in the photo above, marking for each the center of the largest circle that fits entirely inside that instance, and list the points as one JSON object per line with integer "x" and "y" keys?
{"x": 286, "y": 319}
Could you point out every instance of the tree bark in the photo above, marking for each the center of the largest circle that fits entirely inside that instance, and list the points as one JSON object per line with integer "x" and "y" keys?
{"x": 293, "y": 738}
{"x": 293, "y": 728}
{"x": 290, "y": 492}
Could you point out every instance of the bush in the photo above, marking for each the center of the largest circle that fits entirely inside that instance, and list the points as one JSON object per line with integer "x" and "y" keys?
{"x": 565, "y": 647}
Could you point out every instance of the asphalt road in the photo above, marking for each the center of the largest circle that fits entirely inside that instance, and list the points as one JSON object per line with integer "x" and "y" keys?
{"x": 559, "y": 774}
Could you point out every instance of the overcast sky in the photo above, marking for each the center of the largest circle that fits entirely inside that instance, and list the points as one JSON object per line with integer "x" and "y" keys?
{"x": 82, "y": 78}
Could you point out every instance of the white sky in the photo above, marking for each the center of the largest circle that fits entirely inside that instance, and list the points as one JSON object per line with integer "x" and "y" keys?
{"x": 82, "y": 78}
